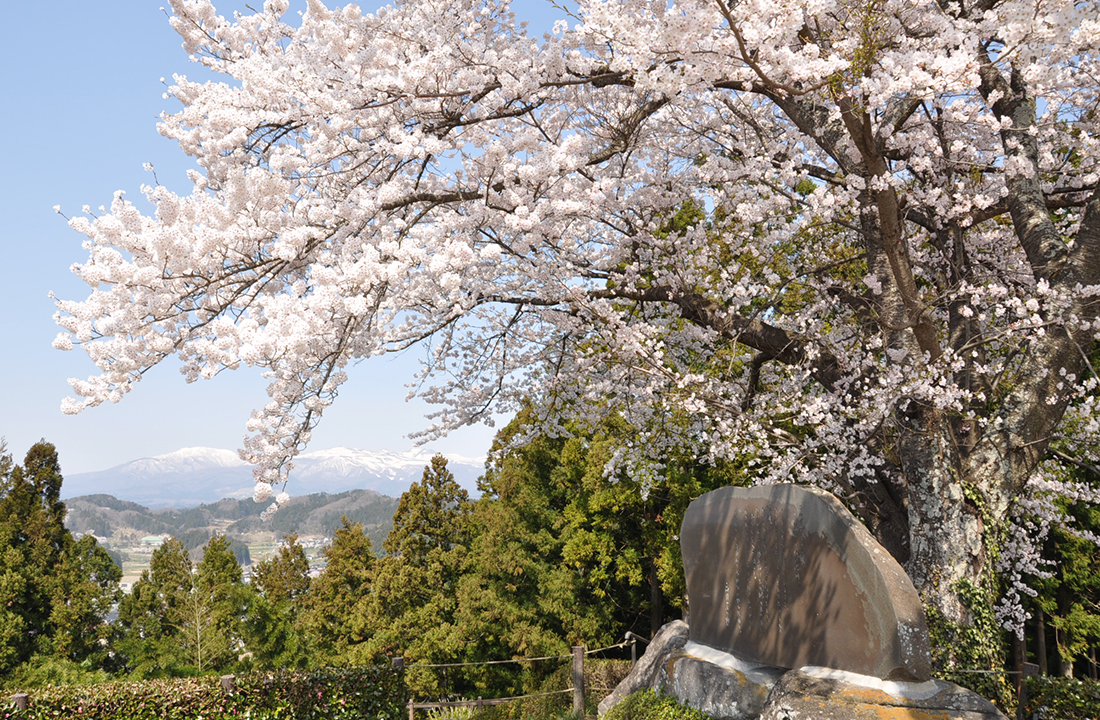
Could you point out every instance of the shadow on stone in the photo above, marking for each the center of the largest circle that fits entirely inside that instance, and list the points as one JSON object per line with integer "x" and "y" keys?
{"x": 785, "y": 576}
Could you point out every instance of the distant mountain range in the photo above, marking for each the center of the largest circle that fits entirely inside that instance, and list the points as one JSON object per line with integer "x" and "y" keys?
{"x": 193, "y": 476}
{"x": 124, "y": 523}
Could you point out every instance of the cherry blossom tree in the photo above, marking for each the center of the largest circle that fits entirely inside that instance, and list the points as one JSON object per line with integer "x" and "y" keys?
{"x": 856, "y": 240}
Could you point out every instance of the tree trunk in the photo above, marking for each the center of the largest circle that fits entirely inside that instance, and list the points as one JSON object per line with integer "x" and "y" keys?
{"x": 946, "y": 541}
{"x": 1019, "y": 657}
{"x": 1065, "y": 667}
{"x": 656, "y": 602}
{"x": 1041, "y": 636}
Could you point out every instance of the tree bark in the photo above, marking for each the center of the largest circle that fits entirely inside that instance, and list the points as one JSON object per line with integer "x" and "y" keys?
{"x": 1041, "y": 637}
{"x": 656, "y": 602}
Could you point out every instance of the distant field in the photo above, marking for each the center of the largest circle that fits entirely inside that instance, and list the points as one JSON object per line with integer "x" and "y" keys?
{"x": 260, "y": 546}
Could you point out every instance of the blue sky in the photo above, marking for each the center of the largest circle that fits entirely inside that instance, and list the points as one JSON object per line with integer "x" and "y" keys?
{"x": 81, "y": 93}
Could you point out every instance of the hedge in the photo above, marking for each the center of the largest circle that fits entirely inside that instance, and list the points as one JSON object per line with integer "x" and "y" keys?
{"x": 363, "y": 693}
{"x": 1060, "y": 698}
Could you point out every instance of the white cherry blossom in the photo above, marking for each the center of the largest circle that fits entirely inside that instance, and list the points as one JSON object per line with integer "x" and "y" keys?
{"x": 855, "y": 243}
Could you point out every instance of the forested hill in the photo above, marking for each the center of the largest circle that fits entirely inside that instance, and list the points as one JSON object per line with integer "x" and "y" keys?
{"x": 316, "y": 514}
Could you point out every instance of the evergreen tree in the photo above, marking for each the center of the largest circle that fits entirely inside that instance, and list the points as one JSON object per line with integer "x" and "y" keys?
{"x": 84, "y": 588}
{"x": 54, "y": 590}
{"x": 561, "y": 556}
{"x": 283, "y": 578}
{"x": 219, "y": 600}
{"x": 432, "y": 515}
{"x": 410, "y": 610}
{"x": 272, "y": 630}
{"x": 329, "y": 605}
{"x": 153, "y": 612}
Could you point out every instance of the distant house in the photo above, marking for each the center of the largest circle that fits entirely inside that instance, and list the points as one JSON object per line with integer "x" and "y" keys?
{"x": 154, "y": 540}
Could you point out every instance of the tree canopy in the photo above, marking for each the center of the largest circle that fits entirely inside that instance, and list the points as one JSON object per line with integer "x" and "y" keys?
{"x": 55, "y": 590}
{"x": 855, "y": 242}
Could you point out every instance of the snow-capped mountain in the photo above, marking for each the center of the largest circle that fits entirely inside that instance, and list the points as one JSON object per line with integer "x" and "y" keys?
{"x": 184, "y": 460}
{"x": 191, "y": 476}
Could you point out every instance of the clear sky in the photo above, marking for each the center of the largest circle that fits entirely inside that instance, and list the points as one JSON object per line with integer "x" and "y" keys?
{"x": 81, "y": 93}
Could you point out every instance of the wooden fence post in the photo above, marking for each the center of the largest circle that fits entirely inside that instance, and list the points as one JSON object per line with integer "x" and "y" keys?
{"x": 1029, "y": 670}
{"x": 229, "y": 683}
{"x": 412, "y": 710}
{"x": 398, "y": 663}
{"x": 578, "y": 681}
{"x": 20, "y": 700}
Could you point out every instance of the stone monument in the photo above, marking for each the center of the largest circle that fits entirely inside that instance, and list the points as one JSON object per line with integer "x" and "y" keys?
{"x": 784, "y": 575}
{"x": 794, "y": 611}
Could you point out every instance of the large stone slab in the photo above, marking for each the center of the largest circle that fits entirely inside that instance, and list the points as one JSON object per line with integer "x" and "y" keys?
{"x": 813, "y": 693}
{"x": 784, "y": 575}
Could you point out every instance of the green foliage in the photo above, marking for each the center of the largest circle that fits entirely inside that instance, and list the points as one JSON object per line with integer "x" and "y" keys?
{"x": 272, "y": 628}
{"x": 151, "y": 615}
{"x": 43, "y": 670}
{"x": 369, "y": 692}
{"x": 977, "y": 646}
{"x": 83, "y": 589}
{"x": 285, "y": 577}
{"x": 182, "y": 619}
{"x": 54, "y": 589}
{"x": 649, "y": 705}
{"x": 1061, "y": 698}
{"x": 1070, "y": 598}
{"x": 561, "y": 556}
{"x": 329, "y": 604}
{"x": 410, "y": 610}
{"x": 431, "y": 515}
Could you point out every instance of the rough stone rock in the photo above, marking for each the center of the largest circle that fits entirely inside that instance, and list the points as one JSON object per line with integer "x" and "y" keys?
{"x": 813, "y": 693}
{"x": 650, "y": 670}
{"x": 719, "y": 684}
{"x": 784, "y": 575}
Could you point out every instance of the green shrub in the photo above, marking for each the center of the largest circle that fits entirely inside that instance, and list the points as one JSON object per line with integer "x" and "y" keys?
{"x": 648, "y": 705}
{"x": 1061, "y": 698}
{"x": 373, "y": 693}
{"x": 41, "y": 671}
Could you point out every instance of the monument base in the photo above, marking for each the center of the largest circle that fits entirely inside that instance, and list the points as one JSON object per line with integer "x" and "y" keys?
{"x": 726, "y": 687}
{"x": 814, "y": 693}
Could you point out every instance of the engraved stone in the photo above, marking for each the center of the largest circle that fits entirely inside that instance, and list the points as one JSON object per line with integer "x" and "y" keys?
{"x": 784, "y": 575}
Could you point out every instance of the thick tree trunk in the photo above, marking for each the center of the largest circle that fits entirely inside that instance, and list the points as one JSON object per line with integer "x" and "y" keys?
{"x": 946, "y": 541}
